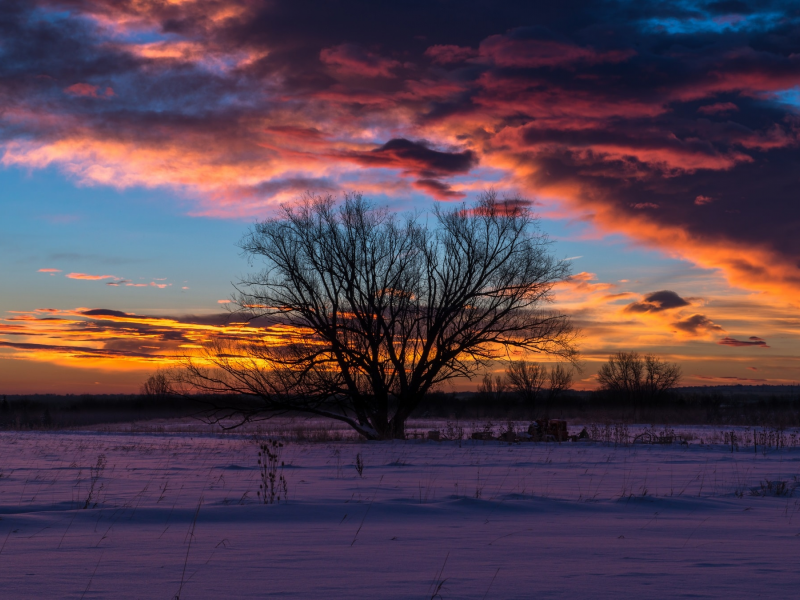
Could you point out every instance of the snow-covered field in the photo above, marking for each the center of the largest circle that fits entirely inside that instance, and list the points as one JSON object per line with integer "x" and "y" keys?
{"x": 160, "y": 515}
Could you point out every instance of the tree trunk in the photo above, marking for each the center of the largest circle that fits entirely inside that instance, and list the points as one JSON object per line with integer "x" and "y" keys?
{"x": 398, "y": 428}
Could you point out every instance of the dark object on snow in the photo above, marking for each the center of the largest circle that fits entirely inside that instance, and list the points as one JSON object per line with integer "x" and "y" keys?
{"x": 583, "y": 436}
{"x": 508, "y": 436}
{"x": 663, "y": 437}
{"x": 558, "y": 429}
{"x": 482, "y": 435}
{"x": 545, "y": 431}
{"x": 434, "y": 435}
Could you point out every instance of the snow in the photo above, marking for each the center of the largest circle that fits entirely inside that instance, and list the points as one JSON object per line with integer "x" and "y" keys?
{"x": 178, "y": 513}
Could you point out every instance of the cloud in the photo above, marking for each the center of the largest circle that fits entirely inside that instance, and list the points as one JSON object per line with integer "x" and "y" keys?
{"x": 104, "y": 312}
{"x": 75, "y": 351}
{"x": 717, "y": 108}
{"x": 729, "y": 379}
{"x": 353, "y": 60}
{"x": 87, "y": 277}
{"x": 585, "y": 282}
{"x": 657, "y": 302}
{"x": 751, "y": 341}
{"x": 89, "y": 90}
{"x": 445, "y": 54}
{"x": 50, "y": 271}
{"x": 114, "y": 339}
{"x": 536, "y": 47}
{"x": 437, "y": 189}
{"x": 605, "y": 112}
{"x": 696, "y": 324}
{"x": 701, "y": 200}
{"x": 417, "y": 158}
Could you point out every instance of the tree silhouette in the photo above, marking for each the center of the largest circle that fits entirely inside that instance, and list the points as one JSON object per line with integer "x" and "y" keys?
{"x": 527, "y": 380}
{"x": 157, "y": 386}
{"x": 632, "y": 377}
{"x": 382, "y": 309}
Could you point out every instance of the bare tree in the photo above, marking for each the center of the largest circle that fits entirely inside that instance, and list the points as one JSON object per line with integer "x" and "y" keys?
{"x": 492, "y": 387}
{"x": 560, "y": 380}
{"x": 632, "y": 377}
{"x": 383, "y": 309}
{"x": 526, "y": 380}
{"x": 157, "y": 386}
{"x": 660, "y": 376}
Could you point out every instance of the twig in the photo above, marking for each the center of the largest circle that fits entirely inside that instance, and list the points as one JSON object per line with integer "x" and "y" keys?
{"x": 490, "y": 583}
{"x": 367, "y": 512}
{"x": 92, "y": 577}
{"x": 693, "y": 531}
{"x": 438, "y": 582}
{"x": 189, "y": 547}
{"x": 5, "y": 541}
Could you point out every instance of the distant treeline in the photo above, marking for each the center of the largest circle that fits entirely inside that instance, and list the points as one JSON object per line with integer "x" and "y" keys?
{"x": 713, "y": 405}
{"x": 52, "y": 411}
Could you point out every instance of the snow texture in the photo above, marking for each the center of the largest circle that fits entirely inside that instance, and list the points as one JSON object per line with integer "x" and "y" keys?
{"x": 160, "y": 515}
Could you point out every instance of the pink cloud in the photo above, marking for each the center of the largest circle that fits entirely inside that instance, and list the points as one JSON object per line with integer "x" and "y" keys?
{"x": 445, "y": 54}
{"x": 526, "y": 53}
{"x": 351, "y": 59}
{"x": 88, "y": 90}
{"x": 88, "y": 277}
{"x": 51, "y": 271}
{"x": 701, "y": 200}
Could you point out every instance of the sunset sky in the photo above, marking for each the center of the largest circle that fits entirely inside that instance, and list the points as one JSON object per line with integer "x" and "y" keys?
{"x": 657, "y": 141}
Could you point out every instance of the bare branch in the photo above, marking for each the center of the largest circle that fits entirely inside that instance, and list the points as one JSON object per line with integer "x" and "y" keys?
{"x": 385, "y": 308}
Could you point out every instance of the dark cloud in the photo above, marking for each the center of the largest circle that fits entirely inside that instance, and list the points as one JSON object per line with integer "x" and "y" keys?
{"x": 751, "y": 341}
{"x": 696, "y": 325}
{"x": 438, "y": 189}
{"x": 417, "y": 158}
{"x": 728, "y": 7}
{"x": 657, "y": 302}
{"x": 619, "y": 108}
{"x": 105, "y": 312}
{"x": 730, "y": 378}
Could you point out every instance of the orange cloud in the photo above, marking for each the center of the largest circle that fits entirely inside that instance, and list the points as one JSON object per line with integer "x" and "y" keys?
{"x": 114, "y": 340}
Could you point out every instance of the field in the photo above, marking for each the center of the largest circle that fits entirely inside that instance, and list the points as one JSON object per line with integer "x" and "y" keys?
{"x": 170, "y": 511}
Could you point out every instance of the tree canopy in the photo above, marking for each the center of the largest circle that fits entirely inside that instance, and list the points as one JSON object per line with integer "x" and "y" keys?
{"x": 383, "y": 308}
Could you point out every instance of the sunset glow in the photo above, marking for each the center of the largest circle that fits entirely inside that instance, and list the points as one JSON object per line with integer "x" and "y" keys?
{"x": 139, "y": 140}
